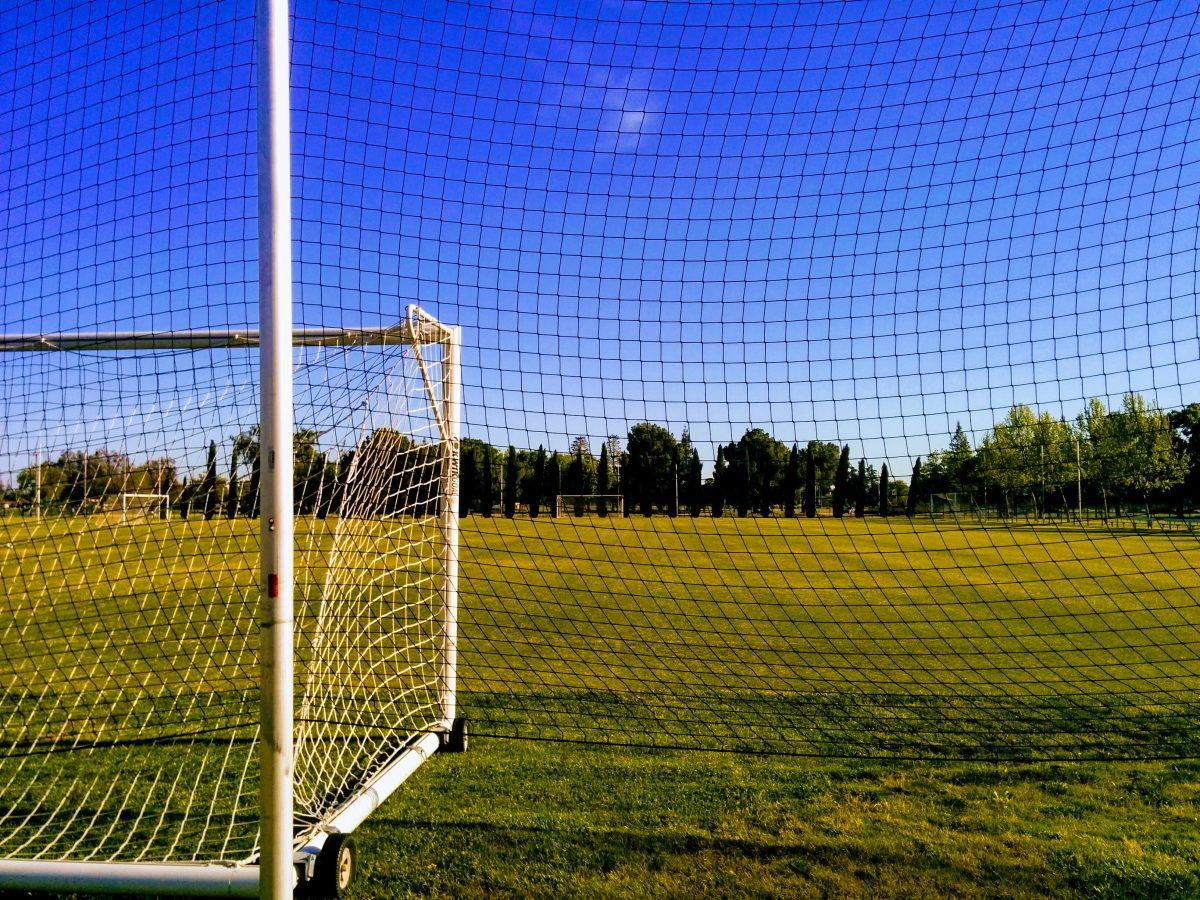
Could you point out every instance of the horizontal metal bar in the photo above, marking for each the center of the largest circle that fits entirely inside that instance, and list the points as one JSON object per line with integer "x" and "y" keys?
{"x": 420, "y": 326}
{"x": 169, "y": 879}
{"x": 383, "y": 785}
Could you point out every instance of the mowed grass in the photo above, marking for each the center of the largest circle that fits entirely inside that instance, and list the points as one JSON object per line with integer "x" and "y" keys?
{"x": 836, "y": 638}
{"x": 518, "y": 818}
{"x": 842, "y": 637}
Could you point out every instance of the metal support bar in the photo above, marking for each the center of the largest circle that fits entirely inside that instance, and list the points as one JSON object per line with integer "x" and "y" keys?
{"x": 276, "y": 755}
{"x": 452, "y": 398}
{"x": 163, "y": 879}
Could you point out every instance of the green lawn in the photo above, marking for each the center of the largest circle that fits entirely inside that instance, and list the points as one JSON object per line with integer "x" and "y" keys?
{"x": 897, "y": 642}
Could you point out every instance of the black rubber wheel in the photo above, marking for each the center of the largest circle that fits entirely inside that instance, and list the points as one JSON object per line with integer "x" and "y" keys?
{"x": 455, "y": 740}
{"x": 334, "y": 870}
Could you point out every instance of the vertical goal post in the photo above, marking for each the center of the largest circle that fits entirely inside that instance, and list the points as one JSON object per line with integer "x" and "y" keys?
{"x": 398, "y": 426}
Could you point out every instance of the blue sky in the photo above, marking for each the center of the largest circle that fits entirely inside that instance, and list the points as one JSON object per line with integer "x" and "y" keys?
{"x": 861, "y": 222}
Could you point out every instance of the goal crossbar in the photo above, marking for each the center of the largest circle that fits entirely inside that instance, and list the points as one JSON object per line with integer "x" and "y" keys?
{"x": 418, "y": 328}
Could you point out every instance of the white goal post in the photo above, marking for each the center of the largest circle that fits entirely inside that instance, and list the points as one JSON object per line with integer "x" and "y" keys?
{"x": 138, "y": 755}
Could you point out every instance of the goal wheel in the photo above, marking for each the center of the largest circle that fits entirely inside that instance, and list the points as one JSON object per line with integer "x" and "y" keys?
{"x": 334, "y": 869}
{"x": 455, "y": 740}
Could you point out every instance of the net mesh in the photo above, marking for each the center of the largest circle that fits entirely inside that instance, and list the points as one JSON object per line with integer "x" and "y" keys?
{"x": 131, "y": 672}
{"x": 720, "y": 242}
{"x": 741, "y": 266}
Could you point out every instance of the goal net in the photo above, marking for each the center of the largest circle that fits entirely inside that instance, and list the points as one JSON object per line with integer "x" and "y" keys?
{"x": 774, "y": 273}
{"x": 131, "y": 701}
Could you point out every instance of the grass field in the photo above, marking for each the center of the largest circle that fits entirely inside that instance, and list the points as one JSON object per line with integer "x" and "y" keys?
{"x": 1039, "y": 646}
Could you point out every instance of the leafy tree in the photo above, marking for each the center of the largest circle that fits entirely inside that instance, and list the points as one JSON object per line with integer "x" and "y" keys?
{"x": 1186, "y": 422}
{"x": 718, "y": 484}
{"x": 910, "y": 505}
{"x": 810, "y": 480}
{"x": 651, "y": 449}
{"x": 860, "y": 490}
{"x": 825, "y": 459}
{"x": 1004, "y": 456}
{"x": 883, "y": 491}
{"x": 602, "y": 481}
{"x": 791, "y": 483}
{"x": 208, "y": 487}
{"x": 841, "y": 477}
{"x": 510, "y": 483}
{"x": 1132, "y": 451}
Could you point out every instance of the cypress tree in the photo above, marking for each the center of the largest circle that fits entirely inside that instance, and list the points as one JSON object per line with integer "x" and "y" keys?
{"x": 883, "y": 491}
{"x": 602, "y": 481}
{"x": 839, "y": 482}
{"x": 185, "y": 499}
{"x": 466, "y": 481}
{"x": 575, "y": 480}
{"x": 510, "y": 483}
{"x": 791, "y": 483}
{"x": 554, "y": 484}
{"x": 627, "y": 482}
{"x": 718, "y": 486}
{"x": 910, "y": 506}
{"x": 810, "y": 480}
{"x": 743, "y": 484}
{"x": 860, "y": 490}
{"x": 673, "y": 498}
{"x": 538, "y": 483}
{"x": 208, "y": 487}
{"x": 696, "y": 484}
{"x": 487, "y": 491}
{"x": 231, "y": 495}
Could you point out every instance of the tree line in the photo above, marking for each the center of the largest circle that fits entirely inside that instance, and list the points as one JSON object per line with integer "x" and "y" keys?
{"x": 1133, "y": 455}
{"x": 387, "y": 474}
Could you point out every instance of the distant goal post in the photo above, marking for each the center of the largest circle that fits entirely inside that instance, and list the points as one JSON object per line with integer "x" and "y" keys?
{"x": 369, "y": 521}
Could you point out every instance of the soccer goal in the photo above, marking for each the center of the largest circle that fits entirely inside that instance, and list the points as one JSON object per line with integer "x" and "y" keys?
{"x": 143, "y": 506}
{"x": 591, "y": 505}
{"x": 140, "y": 689}
{"x": 943, "y": 506}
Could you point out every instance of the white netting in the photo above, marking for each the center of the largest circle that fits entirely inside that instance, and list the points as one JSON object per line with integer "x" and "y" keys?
{"x": 129, "y": 660}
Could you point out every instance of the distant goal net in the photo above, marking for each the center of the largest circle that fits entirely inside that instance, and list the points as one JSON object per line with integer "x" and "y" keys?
{"x": 141, "y": 506}
{"x": 130, "y": 711}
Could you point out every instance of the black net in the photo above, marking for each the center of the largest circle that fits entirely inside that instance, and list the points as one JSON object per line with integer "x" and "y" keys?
{"x": 830, "y": 387}
{"x": 727, "y": 273}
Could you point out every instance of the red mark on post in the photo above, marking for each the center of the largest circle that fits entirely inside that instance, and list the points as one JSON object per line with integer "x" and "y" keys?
{"x": 272, "y": 585}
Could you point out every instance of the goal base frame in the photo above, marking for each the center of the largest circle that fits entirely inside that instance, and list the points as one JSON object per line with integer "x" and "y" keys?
{"x": 213, "y": 879}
